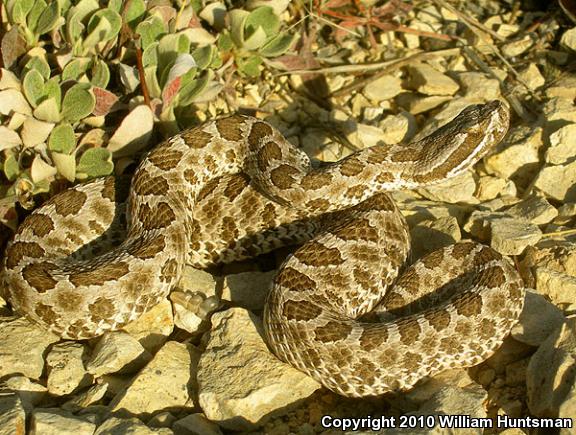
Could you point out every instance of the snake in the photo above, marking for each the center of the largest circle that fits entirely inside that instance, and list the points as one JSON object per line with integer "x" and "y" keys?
{"x": 345, "y": 307}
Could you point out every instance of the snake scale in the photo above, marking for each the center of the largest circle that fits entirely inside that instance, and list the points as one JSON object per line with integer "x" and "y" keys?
{"x": 234, "y": 188}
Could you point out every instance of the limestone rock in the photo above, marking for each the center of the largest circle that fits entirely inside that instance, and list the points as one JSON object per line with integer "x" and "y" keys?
{"x": 57, "y": 422}
{"x": 568, "y": 39}
{"x": 12, "y": 415}
{"x": 166, "y": 382}
{"x": 248, "y": 289}
{"x": 117, "y": 352}
{"x": 538, "y": 320}
{"x": 534, "y": 209}
{"x": 31, "y": 393}
{"x": 196, "y": 424}
{"x": 532, "y": 76}
{"x": 457, "y": 189}
{"x": 551, "y": 372}
{"x": 429, "y": 81}
{"x": 479, "y": 85}
{"x": 558, "y": 286}
{"x": 66, "y": 371}
{"x": 396, "y": 128}
{"x": 489, "y": 187}
{"x": 383, "y": 88}
{"x": 511, "y": 236}
{"x": 431, "y": 235}
{"x": 153, "y": 327}
{"x": 132, "y": 426}
{"x": 562, "y": 145}
{"x": 196, "y": 280}
{"x": 416, "y": 103}
{"x": 86, "y": 398}
{"x": 23, "y": 346}
{"x": 240, "y": 382}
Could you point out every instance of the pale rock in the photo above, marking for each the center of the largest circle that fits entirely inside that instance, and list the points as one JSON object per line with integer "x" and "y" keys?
{"x": 58, "y": 422}
{"x": 31, "y": 393}
{"x": 186, "y": 307}
{"x": 562, "y": 145}
{"x": 558, "y": 182}
{"x": 566, "y": 213}
{"x": 457, "y": 189}
{"x": 534, "y": 209}
{"x": 489, "y": 187}
{"x": 539, "y": 318}
{"x": 517, "y": 155}
{"x": 564, "y": 87}
{"x": 12, "y": 415}
{"x": 567, "y": 409}
{"x": 369, "y": 135}
{"x": 516, "y": 372}
{"x": 499, "y": 203}
{"x": 166, "y": 382}
{"x": 556, "y": 255}
{"x": 153, "y": 327}
{"x": 240, "y": 382}
{"x": 550, "y": 375}
{"x": 383, "y": 88}
{"x": 479, "y": 223}
{"x": 416, "y": 104}
{"x": 486, "y": 375}
{"x": 117, "y": 352}
{"x": 132, "y": 426}
{"x": 568, "y": 39}
{"x": 86, "y": 398}
{"x": 428, "y": 388}
{"x": 196, "y": 424}
{"x": 396, "y": 128}
{"x": 162, "y": 419}
{"x": 510, "y": 236}
{"x": 197, "y": 280}
{"x": 517, "y": 47}
{"x": 23, "y": 347}
{"x": 248, "y": 289}
{"x": 66, "y": 372}
{"x": 510, "y": 351}
{"x": 416, "y": 210}
{"x": 559, "y": 108}
{"x": 431, "y": 235}
{"x": 428, "y": 81}
{"x": 372, "y": 114}
{"x": 558, "y": 286}
{"x": 532, "y": 77}
{"x": 479, "y": 85}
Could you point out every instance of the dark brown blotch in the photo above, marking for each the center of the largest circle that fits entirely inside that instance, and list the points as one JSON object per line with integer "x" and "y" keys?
{"x": 18, "y": 250}
{"x": 100, "y": 275}
{"x": 230, "y": 127}
{"x": 294, "y": 280}
{"x": 469, "y": 306}
{"x": 258, "y": 131}
{"x": 332, "y": 331}
{"x": 39, "y": 276}
{"x": 300, "y": 310}
{"x": 283, "y": 176}
{"x": 165, "y": 159}
{"x": 69, "y": 202}
{"x": 315, "y": 254}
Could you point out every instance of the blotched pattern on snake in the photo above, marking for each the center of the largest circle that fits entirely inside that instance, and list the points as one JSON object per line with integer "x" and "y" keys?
{"x": 234, "y": 188}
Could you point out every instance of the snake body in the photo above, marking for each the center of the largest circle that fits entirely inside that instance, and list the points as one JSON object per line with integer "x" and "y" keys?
{"x": 234, "y": 188}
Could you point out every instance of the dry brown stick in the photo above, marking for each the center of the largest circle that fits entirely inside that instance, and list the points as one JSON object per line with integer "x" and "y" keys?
{"x": 141, "y": 75}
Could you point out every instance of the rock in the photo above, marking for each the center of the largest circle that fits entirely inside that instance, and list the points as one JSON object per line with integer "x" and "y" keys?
{"x": 516, "y": 372}
{"x": 418, "y": 210}
{"x": 428, "y": 81}
{"x": 538, "y": 320}
{"x": 166, "y": 382}
{"x": 23, "y": 347}
{"x": 153, "y": 327}
{"x": 426, "y": 389}
{"x": 86, "y": 398}
{"x": 510, "y": 351}
{"x": 565, "y": 213}
{"x": 560, "y": 108}
{"x": 196, "y": 424}
{"x": 532, "y": 77}
{"x": 383, "y": 88}
{"x": 369, "y": 135}
{"x": 517, "y": 156}
{"x": 248, "y": 289}
{"x": 534, "y": 209}
{"x": 567, "y": 409}
{"x": 511, "y": 236}
{"x": 12, "y": 415}
{"x": 517, "y": 47}
{"x": 457, "y": 189}
{"x": 568, "y": 39}
{"x": 66, "y": 372}
{"x": 416, "y": 104}
{"x": 58, "y": 422}
{"x": 186, "y": 307}
{"x": 196, "y": 280}
{"x": 564, "y": 87}
{"x": 479, "y": 85}
{"x": 117, "y": 352}
{"x": 31, "y": 393}
{"x": 558, "y": 286}
{"x": 132, "y": 426}
{"x": 162, "y": 419}
{"x": 551, "y": 375}
{"x": 261, "y": 385}
{"x": 562, "y": 145}
{"x": 396, "y": 128}
{"x": 431, "y": 235}
{"x": 556, "y": 255}
{"x": 489, "y": 187}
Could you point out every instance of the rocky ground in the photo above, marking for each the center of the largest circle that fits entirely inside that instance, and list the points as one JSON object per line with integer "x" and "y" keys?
{"x": 196, "y": 363}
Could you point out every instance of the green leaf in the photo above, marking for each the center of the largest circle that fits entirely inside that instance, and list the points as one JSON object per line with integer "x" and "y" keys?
{"x": 238, "y": 19}
{"x": 62, "y": 139}
{"x": 95, "y": 162}
{"x": 34, "y": 14}
{"x": 192, "y": 88}
{"x": 18, "y": 9}
{"x": 135, "y": 13}
{"x": 103, "y": 26}
{"x": 76, "y": 68}
{"x": 150, "y": 55}
{"x": 256, "y": 40}
{"x": 277, "y": 45}
{"x": 150, "y": 30}
{"x": 48, "y": 19}
{"x": 39, "y": 64}
{"x": 11, "y": 167}
{"x": 264, "y": 18}
{"x": 249, "y": 65}
{"x": 65, "y": 165}
{"x": 78, "y": 103}
{"x": 33, "y": 85}
{"x": 48, "y": 110}
{"x": 225, "y": 42}
{"x": 203, "y": 56}
{"x": 100, "y": 74}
